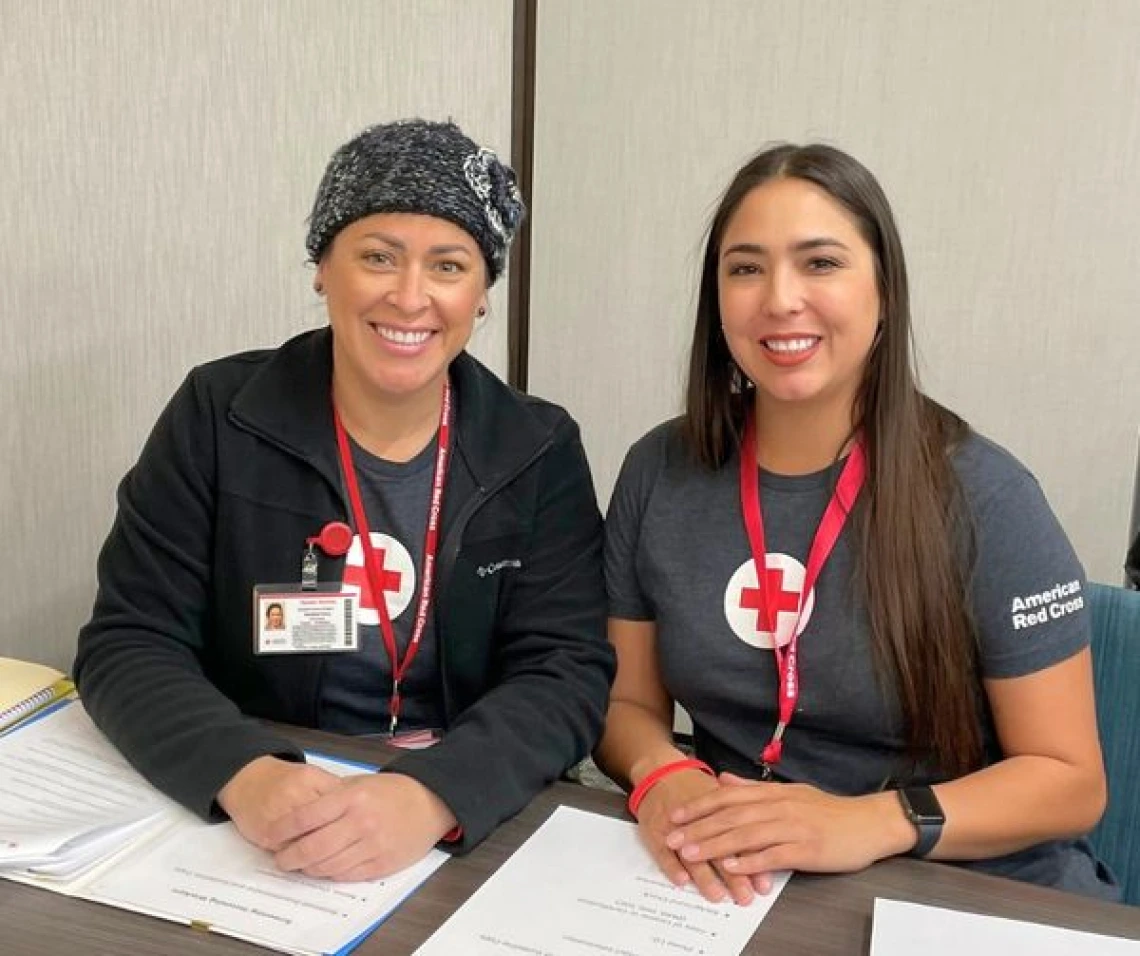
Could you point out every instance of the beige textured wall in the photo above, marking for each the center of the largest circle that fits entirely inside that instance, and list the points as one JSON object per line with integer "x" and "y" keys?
{"x": 1006, "y": 133}
{"x": 157, "y": 164}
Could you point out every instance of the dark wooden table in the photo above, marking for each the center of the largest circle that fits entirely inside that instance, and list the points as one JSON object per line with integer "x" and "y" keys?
{"x": 817, "y": 915}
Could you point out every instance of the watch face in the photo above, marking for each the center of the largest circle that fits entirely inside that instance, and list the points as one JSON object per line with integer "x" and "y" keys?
{"x": 923, "y": 805}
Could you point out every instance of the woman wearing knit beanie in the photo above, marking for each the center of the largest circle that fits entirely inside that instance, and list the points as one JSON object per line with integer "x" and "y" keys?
{"x": 431, "y": 534}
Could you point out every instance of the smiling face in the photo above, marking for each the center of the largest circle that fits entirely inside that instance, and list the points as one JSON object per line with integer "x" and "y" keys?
{"x": 797, "y": 294}
{"x": 402, "y": 290}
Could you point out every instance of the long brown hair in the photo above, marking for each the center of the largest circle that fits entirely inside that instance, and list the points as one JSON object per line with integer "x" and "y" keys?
{"x": 909, "y": 519}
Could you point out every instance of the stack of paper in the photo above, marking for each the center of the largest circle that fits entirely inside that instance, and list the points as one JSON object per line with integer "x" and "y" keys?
{"x": 77, "y": 819}
{"x": 67, "y": 800}
{"x": 902, "y": 929}
{"x": 584, "y": 884}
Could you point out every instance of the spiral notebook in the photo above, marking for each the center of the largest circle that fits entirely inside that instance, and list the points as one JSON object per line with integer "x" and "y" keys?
{"x": 26, "y": 688}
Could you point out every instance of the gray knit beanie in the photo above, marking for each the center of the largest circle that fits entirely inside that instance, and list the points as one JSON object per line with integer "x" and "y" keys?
{"x": 419, "y": 167}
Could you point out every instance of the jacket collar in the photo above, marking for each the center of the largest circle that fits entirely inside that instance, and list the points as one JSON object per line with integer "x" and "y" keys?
{"x": 288, "y": 401}
{"x": 499, "y": 429}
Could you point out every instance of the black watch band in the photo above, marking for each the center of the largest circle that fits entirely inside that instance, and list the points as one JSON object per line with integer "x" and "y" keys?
{"x": 923, "y": 810}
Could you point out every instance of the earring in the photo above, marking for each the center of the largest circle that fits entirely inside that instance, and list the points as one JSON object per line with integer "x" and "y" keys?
{"x": 482, "y": 311}
{"x": 318, "y": 288}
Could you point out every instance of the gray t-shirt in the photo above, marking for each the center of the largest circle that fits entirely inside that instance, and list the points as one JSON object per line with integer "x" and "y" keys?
{"x": 677, "y": 553}
{"x": 355, "y": 687}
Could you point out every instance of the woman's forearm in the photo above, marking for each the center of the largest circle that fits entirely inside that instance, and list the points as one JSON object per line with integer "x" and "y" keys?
{"x": 1016, "y": 803}
{"x": 636, "y": 741}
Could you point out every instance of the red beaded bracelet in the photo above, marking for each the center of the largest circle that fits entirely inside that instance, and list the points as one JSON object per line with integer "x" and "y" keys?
{"x": 650, "y": 780}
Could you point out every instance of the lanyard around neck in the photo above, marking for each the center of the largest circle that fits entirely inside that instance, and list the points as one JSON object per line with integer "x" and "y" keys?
{"x": 372, "y": 564}
{"x": 830, "y": 527}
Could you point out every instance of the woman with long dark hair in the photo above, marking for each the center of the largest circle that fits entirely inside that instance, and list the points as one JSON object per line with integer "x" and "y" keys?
{"x": 869, "y": 610}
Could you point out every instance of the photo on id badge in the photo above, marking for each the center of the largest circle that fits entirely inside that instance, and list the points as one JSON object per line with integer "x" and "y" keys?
{"x": 288, "y": 619}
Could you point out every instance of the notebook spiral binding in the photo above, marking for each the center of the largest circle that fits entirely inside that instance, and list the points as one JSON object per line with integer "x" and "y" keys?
{"x": 18, "y": 712}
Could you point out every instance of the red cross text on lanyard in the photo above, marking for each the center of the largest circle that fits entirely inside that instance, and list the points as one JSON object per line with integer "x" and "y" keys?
{"x": 374, "y": 563}
{"x": 830, "y": 527}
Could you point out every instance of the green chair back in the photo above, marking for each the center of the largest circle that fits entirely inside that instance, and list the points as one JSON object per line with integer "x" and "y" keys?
{"x": 1116, "y": 667}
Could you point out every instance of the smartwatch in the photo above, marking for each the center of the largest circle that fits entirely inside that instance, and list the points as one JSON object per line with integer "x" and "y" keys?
{"x": 922, "y": 808}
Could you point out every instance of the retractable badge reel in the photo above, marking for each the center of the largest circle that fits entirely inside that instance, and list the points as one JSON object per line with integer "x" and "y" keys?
{"x": 309, "y": 617}
{"x": 334, "y": 540}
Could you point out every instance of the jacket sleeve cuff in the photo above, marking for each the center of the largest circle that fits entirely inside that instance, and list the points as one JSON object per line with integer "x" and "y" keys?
{"x": 205, "y": 802}
{"x": 474, "y": 819}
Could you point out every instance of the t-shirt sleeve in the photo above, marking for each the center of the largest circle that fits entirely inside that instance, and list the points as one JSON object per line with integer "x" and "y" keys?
{"x": 627, "y": 598}
{"x": 1027, "y": 585}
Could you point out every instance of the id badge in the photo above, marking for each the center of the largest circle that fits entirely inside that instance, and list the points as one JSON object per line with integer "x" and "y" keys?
{"x": 290, "y": 620}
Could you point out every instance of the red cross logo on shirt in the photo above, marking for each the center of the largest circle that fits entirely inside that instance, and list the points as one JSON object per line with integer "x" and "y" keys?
{"x": 781, "y": 600}
{"x": 358, "y": 576}
{"x": 783, "y": 582}
{"x": 397, "y": 576}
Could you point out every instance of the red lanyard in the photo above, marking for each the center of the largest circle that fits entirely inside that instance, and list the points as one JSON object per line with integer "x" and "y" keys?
{"x": 431, "y": 544}
{"x": 830, "y": 527}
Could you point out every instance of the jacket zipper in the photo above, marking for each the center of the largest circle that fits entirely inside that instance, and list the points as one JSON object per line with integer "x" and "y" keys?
{"x": 451, "y": 555}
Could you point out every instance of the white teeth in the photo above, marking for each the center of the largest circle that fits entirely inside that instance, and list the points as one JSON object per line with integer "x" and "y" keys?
{"x": 402, "y": 338}
{"x": 790, "y": 345}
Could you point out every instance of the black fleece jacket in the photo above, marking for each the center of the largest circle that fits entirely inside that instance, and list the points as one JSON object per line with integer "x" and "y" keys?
{"x": 239, "y": 471}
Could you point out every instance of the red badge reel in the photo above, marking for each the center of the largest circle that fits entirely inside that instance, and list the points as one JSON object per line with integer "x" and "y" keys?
{"x": 334, "y": 540}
